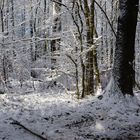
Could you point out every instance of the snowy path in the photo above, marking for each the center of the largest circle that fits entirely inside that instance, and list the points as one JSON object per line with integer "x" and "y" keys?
{"x": 62, "y": 117}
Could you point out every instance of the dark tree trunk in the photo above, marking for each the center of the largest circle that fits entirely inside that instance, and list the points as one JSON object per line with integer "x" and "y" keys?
{"x": 12, "y": 18}
{"x": 89, "y": 16}
{"x": 123, "y": 71}
{"x": 31, "y": 33}
{"x": 56, "y": 30}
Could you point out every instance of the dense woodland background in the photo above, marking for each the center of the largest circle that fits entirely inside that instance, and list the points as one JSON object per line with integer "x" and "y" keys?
{"x": 47, "y": 41}
{"x": 69, "y": 69}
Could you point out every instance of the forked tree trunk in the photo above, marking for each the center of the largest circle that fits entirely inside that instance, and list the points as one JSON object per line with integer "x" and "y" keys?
{"x": 123, "y": 69}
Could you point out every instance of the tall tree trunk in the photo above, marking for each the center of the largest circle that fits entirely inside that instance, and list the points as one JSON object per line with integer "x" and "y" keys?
{"x": 2, "y": 15}
{"x": 89, "y": 83}
{"x": 23, "y": 16}
{"x": 12, "y": 18}
{"x": 31, "y": 31}
{"x": 91, "y": 58}
{"x": 55, "y": 31}
{"x": 35, "y": 28}
{"x": 123, "y": 72}
{"x": 45, "y": 17}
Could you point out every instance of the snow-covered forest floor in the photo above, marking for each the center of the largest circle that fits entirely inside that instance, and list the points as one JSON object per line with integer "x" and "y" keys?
{"x": 58, "y": 116}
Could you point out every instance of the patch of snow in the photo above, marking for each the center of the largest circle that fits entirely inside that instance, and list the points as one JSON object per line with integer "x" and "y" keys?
{"x": 60, "y": 116}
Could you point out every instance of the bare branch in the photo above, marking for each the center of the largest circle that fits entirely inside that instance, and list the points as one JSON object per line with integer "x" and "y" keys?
{"x": 15, "y": 122}
{"x": 106, "y": 18}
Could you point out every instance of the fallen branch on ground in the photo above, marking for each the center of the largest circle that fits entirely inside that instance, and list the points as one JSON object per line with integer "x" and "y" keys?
{"x": 30, "y": 131}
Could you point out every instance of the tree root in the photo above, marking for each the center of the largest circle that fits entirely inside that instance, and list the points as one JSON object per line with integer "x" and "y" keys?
{"x": 15, "y": 122}
{"x": 138, "y": 86}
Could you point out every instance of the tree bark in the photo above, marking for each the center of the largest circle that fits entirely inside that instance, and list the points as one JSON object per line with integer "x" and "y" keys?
{"x": 123, "y": 71}
{"x": 56, "y": 30}
{"x": 91, "y": 57}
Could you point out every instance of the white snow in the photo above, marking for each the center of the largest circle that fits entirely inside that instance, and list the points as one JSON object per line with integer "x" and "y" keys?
{"x": 63, "y": 117}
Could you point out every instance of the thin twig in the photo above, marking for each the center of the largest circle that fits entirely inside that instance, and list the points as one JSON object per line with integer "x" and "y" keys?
{"x": 111, "y": 26}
